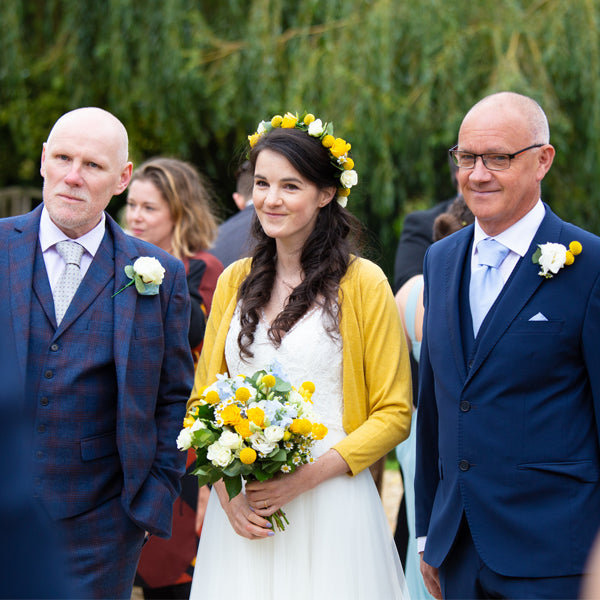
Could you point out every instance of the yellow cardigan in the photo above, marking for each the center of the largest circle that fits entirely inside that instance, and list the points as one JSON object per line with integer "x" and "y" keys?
{"x": 377, "y": 386}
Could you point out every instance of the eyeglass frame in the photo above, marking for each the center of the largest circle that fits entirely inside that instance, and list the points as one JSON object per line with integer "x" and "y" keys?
{"x": 476, "y": 156}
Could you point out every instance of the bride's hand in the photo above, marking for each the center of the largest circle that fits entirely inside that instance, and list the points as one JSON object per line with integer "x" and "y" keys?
{"x": 243, "y": 519}
{"x": 267, "y": 497}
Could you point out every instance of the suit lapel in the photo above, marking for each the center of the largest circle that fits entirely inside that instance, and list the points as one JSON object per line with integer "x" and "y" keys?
{"x": 518, "y": 290}
{"x": 455, "y": 261}
{"x": 124, "y": 303}
{"x": 21, "y": 252}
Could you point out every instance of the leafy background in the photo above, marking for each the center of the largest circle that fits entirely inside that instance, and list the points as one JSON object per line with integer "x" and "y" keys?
{"x": 191, "y": 78}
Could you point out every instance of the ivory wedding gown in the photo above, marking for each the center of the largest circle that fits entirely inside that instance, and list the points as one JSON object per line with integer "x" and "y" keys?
{"x": 338, "y": 544}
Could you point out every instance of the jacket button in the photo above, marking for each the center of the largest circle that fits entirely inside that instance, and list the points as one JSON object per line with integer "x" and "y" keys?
{"x": 44, "y": 401}
{"x": 465, "y": 406}
{"x": 41, "y": 428}
{"x": 48, "y": 374}
{"x": 464, "y": 465}
{"x": 39, "y": 455}
{"x": 54, "y": 347}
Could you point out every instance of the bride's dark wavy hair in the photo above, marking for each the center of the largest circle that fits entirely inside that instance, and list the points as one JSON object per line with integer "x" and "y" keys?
{"x": 325, "y": 256}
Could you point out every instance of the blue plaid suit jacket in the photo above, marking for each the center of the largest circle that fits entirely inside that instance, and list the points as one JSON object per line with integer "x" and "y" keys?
{"x": 153, "y": 369}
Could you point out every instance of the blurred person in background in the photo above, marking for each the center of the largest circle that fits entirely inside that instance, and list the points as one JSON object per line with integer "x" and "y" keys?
{"x": 234, "y": 239}
{"x": 170, "y": 204}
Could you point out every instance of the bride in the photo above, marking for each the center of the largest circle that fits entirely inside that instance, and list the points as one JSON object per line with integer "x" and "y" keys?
{"x": 306, "y": 303}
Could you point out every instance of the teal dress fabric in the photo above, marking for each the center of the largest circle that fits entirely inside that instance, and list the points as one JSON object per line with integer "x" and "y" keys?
{"x": 406, "y": 454}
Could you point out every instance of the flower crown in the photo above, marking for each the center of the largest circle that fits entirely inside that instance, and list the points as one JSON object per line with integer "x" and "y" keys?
{"x": 338, "y": 148}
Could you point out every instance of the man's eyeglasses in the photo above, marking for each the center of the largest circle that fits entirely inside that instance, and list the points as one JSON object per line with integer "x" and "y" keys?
{"x": 493, "y": 161}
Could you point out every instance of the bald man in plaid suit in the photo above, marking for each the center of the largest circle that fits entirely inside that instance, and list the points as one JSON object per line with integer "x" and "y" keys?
{"x": 106, "y": 383}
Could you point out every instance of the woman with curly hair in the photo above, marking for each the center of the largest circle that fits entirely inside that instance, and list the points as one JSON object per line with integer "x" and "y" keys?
{"x": 305, "y": 302}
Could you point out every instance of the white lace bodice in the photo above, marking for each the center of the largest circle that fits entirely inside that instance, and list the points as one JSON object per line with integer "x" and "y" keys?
{"x": 307, "y": 353}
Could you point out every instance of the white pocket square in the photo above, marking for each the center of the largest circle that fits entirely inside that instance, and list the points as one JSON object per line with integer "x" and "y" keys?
{"x": 538, "y": 317}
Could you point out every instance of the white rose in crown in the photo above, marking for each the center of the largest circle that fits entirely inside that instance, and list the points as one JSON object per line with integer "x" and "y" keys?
{"x": 315, "y": 128}
{"x": 219, "y": 455}
{"x": 146, "y": 273}
{"x": 349, "y": 178}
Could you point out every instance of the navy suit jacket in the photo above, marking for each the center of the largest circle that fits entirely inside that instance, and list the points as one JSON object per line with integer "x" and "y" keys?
{"x": 145, "y": 336}
{"x": 235, "y": 237}
{"x": 508, "y": 435}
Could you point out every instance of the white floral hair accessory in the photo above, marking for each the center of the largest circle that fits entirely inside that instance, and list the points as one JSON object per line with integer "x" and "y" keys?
{"x": 552, "y": 257}
{"x": 338, "y": 147}
{"x": 146, "y": 273}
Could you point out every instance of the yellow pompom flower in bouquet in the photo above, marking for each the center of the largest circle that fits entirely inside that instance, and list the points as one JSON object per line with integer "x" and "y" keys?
{"x": 242, "y": 394}
{"x": 212, "y": 397}
{"x": 248, "y": 455}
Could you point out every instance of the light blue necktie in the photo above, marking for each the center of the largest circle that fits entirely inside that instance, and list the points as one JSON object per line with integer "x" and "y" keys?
{"x": 486, "y": 280}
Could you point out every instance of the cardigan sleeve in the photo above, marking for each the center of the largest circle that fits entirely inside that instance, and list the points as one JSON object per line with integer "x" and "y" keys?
{"x": 376, "y": 380}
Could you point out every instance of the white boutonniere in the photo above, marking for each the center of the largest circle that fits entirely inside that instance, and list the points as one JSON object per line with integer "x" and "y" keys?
{"x": 146, "y": 273}
{"x": 552, "y": 257}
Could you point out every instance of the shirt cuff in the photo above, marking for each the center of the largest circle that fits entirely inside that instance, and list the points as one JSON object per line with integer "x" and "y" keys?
{"x": 421, "y": 543}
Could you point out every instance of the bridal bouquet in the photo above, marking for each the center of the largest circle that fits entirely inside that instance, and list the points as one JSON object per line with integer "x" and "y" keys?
{"x": 250, "y": 428}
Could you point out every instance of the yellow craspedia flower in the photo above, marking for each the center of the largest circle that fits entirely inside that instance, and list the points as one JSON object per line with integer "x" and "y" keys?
{"x": 276, "y": 121}
{"x": 339, "y": 147}
{"x": 248, "y": 456}
{"x": 569, "y": 258}
{"x": 268, "y": 380}
{"x": 343, "y": 192}
{"x": 301, "y": 426}
{"x": 188, "y": 421}
{"x": 309, "y": 386}
{"x": 231, "y": 415}
{"x": 252, "y": 139}
{"x": 309, "y": 118}
{"x": 243, "y": 428}
{"x": 349, "y": 164}
{"x": 242, "y": 394}
{"x": 319, "y": 431}
{"x": 327, "y": 141}
{"x": 289, "y": 121}
{"x": 575, "y": 247}
{"x": 212, "y": 397}
{"x": 256, "y": 415}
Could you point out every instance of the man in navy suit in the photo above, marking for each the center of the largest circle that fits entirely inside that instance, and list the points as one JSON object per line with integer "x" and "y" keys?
{"x": 105, "y": 382}
{"x": 508, "y": 464}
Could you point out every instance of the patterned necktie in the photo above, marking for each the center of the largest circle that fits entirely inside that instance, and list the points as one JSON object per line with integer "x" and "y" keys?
{"x": 68, "y": 282}
{"x": 486, "y": 280}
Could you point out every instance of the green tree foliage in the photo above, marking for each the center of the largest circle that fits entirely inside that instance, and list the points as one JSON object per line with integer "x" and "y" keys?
{"x": 191, "y": 78}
